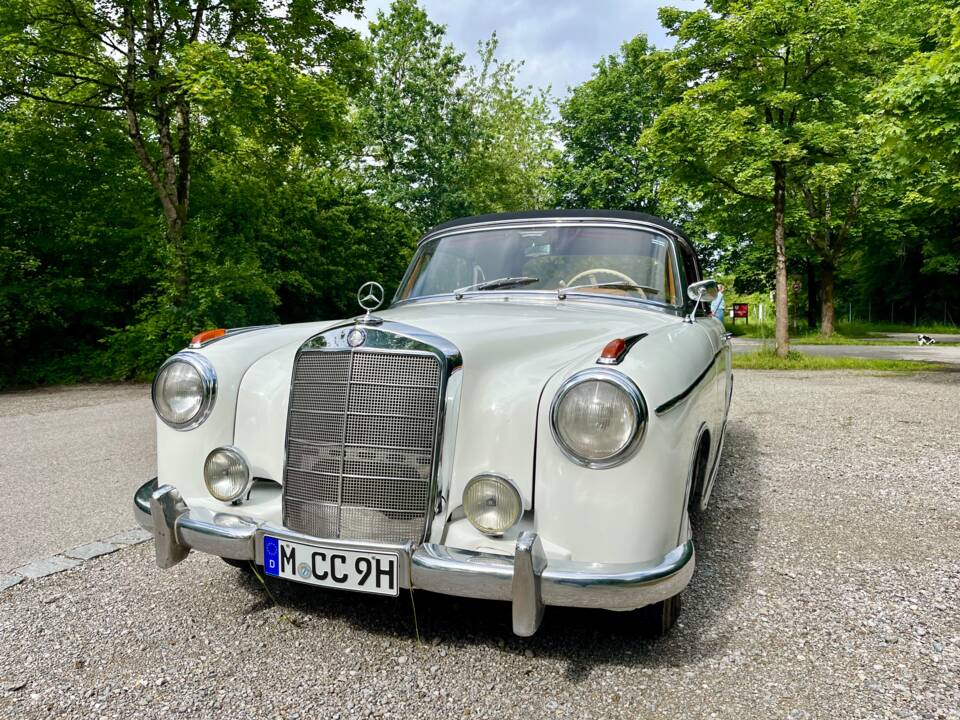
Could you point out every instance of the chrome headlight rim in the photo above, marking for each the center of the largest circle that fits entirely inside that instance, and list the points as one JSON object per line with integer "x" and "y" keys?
{"x": 622, "y": 382}
{"x": 506, "y": 481}
{"x": 208, "y": 380}
{"x": 242, "y": 460}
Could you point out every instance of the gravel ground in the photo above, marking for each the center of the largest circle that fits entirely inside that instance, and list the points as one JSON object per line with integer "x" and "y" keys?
{"x": 828, "y": 586}
{"x": 71, "y": 457}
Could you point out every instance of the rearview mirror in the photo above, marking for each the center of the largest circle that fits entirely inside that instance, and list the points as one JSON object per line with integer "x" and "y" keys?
{"x": 703, "y": 291}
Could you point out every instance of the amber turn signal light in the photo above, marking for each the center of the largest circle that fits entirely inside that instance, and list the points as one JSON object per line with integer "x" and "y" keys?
{"x": 614, "y": 349}
{"x": 206, "y": 336}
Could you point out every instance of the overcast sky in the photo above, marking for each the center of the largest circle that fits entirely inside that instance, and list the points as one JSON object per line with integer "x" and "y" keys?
{"x": 558, "y": 40}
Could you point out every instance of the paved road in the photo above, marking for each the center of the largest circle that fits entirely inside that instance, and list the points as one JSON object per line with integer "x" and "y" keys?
{"x": 912, "y": 337}
{"x": 932, "y": 353}
{"x": 70, "y": 459}
{"x": 825, "y": 588}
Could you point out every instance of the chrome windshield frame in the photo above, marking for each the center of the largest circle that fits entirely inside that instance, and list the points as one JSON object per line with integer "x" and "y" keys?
{"x": 520, "y": 224}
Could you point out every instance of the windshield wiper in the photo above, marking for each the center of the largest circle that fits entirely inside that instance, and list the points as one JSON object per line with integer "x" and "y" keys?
{"x": 618, "y": 284}
{"x": 494, "y": 284}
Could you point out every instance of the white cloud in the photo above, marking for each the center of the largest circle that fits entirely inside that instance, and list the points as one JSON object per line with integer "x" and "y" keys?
{"x": 559, "y": 41}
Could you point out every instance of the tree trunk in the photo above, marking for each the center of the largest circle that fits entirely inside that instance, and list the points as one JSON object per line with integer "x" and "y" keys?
{"x": 812, "y": 299}
{"x": 827, "y": 313}
{"x": 780, "y": 251}
{"x": 162, "y": 176}
{"x": 175, "y": 235}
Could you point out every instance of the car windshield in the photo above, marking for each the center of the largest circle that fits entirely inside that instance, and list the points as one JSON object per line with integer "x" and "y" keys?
{"x": 607, "y": 260}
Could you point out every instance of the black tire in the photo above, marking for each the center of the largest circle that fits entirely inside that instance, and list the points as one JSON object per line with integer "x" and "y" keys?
{"x": 657, "y": 619}
{"x": 700, "y": 470}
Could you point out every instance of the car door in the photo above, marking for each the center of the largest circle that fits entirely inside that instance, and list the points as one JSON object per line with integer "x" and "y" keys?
{"x": 715, "y": 332}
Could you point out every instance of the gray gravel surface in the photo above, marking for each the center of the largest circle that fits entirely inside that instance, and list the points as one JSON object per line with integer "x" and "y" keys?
{"x": 827, "y": 586}
{"x": 70, "y": 460}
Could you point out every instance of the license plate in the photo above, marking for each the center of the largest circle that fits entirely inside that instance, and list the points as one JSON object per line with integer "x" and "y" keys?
{"x": 370, "y": 572}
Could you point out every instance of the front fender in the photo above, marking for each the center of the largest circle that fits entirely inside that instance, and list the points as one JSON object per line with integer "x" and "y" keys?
{"x": 180, "y": 454}
{"x": 636, "y": 509}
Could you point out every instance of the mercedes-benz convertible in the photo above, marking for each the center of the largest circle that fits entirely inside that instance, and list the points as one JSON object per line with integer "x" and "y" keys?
{"x": 534, "y": 419}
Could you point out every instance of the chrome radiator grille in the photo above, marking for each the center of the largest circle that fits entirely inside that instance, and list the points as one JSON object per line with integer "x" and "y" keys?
{"x": 361, "y": 440}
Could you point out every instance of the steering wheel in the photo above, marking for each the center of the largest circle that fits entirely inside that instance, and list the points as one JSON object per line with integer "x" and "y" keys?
{"x": 616, "y": 273}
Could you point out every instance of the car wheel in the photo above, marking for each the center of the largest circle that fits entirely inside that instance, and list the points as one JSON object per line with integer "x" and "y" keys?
{"x": 657, "y": 619}
{"x": 699, "y": 475}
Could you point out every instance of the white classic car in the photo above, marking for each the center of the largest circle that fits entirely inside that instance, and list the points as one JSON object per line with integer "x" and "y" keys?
{"x": 533, "y": 419}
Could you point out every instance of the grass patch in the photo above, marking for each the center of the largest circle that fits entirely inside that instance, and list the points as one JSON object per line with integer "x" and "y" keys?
{"x": 768, "y": 360}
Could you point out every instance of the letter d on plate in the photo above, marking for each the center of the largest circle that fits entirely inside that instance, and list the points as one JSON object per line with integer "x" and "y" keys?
{"x": 271, "y": 555}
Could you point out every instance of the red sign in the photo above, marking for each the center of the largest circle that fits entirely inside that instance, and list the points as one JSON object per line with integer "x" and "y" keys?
{"x": 740, "y": 310}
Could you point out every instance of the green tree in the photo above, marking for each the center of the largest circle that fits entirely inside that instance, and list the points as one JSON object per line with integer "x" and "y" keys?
{"x": 921, "y": 106}
{"x": 920, "y": 131}
{"x": 277, "y": 237}
{"x": 161, "y": 67}
{"x": 73, "y": 214}
{"x": 414, "y": 118}
{"x": 441, "y": 140}
{"x": 510, "y": 153}
{"x": 605, "y": 163}
{"x": 832, "y": 185}
{"x": 842, "y": 183}
{"x": 754, "y": 80}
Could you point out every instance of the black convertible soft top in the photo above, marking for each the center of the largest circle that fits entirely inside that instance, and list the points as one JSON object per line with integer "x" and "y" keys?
{"x": 541, "y": 214}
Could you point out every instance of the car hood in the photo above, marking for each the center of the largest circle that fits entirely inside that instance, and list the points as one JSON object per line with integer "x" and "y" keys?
{"x": 544, "y": 335}
{"x": 510, "y": 349}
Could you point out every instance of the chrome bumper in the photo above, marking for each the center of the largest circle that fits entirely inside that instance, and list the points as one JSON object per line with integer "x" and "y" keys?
{"x": 526, "y": 579}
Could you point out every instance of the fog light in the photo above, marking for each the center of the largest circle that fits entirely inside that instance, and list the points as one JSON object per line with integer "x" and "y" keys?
{"x": 226, "y": 474}
{"x": 492, "y": 504}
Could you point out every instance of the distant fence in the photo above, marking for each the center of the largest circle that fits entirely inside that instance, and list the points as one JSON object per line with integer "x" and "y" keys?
{"x": 899, "y": 313}
{"x": 887, "y": 313}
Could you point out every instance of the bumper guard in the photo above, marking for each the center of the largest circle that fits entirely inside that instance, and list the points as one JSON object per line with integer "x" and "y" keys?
{"x": 527, "y": 579}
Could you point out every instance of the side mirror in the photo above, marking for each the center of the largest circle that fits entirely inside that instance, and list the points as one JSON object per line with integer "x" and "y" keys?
{"x": 703, "y": 291}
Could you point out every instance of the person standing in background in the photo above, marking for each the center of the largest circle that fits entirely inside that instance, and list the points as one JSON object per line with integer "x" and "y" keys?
{"x": 717, "y": 306}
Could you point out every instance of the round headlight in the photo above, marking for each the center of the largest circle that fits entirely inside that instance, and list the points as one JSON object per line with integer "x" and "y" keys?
{"x": 492, "y": 504}
{"x": 598, "y": 418}
{"x": 184, "y": 390}
{"x": 226, "y": 474}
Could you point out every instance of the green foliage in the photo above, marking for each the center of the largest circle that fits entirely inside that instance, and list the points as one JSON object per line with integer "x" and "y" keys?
{"x": 511, "y": 149}
{"x": 150, "y": 153}
{"x": 413, "y": 120}
{"x": 258, "y": 94}
{"x": 605, "y": 163}
{"x": 440, "y": 140}
{"x": 921, "y": 105}
{"x": 86, "y": 292}
{"x": 791, "y": 87}
{"x": 171, "y": 166}
{"x": 757, "y": 83}
{"x": 920, "y": 133}
{"x": 167, "y": 71}
{"x": 73, "y": 215}
{"x": 282, "y": 242}
{"x": 760, "y": 108}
